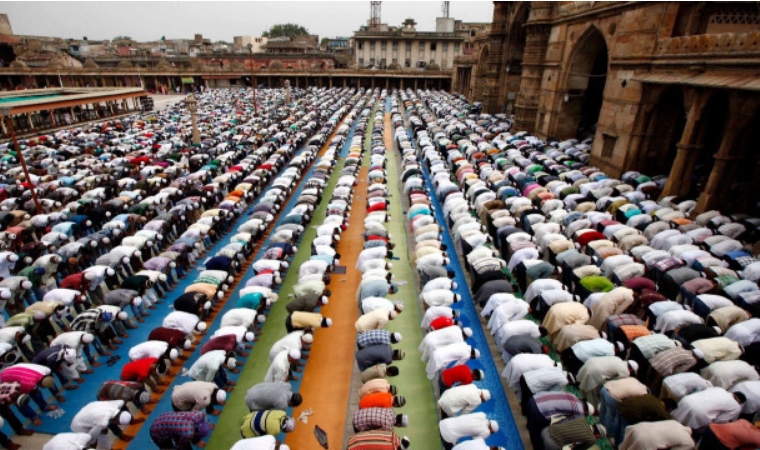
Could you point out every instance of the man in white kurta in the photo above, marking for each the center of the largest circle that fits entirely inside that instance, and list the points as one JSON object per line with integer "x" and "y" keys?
{"x": 440, "y": 338}
{"x": 712, "y": 405}
{"x": 475, "y": 425}
{"x": 655, "y": 435}
{"x": 279, "y": 370}
{"x": 291, "y": 341}
{"x": 457, "y": 353}
{"x": 462, "y": 399}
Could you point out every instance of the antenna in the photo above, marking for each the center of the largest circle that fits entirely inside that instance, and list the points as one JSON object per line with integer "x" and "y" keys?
{"x": 374, "y": 17}
{"x": 445, "y": 9}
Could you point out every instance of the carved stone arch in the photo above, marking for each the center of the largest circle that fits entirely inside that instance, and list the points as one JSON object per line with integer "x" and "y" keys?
{"x": 582, "y": 85}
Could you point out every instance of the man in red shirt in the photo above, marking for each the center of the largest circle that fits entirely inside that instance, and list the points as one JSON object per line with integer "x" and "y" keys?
{"x": 443, "y": 322}
{"x": 459, "y": 375}
{"x": 382, "y": 400}
{"x": 146, "y": 370}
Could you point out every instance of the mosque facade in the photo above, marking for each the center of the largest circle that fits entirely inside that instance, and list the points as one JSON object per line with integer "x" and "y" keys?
{"x": 664, "y": 88}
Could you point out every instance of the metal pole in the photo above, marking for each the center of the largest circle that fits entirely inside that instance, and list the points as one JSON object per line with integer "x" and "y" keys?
{"x": 253, "y": 80}
{"x": 21, "y": 159}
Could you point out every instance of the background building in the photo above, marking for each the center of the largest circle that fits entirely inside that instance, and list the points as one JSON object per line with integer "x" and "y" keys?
{"x": 405, "y": 47}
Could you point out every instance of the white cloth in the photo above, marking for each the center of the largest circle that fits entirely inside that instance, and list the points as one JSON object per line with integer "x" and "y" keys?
{"x": 469, "y": 425}
{"x": 68, "y": 441}
{"x": 457, "y": 353}
{"x": 279, "y": 368}
{"x": 713, "y": 405}
{"x": 180, "y": 320}
{"x": 291, "y": 341}
{"x": 655, "y": 435}
{"x": 458, "y": 399}
{"x": 93, "y": 418}
{"x": 239, "y": 317}
{"x": 257, "y": 443}
{"x": 439, "y": 338}
{"x": 435, "y": 312}
{"x": 525, "y": 362}
{"x": 370, "y": 304}
{"x": 148, "y": 349}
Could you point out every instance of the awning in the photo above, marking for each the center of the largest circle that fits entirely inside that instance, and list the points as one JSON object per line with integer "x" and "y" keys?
{"x": 222, "y": 77}
{"x": 188, "y": 80}
{"x": 715, "y": 80}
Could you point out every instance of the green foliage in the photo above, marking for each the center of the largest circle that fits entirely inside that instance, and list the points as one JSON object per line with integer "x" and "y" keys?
{"x": 286, "y": 29}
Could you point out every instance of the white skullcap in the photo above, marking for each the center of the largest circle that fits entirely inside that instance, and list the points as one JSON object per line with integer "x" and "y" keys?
{"x": 699, "y": 354}
{"x": 397, "y": 336}
{"x": 231, "y": 363}
{"x": 467, "y": 331}
{"x": 328, "y": 322}
{"x": 87, "y": 338}
{"x": 294, "y": 354}
{"x": 325, "y": 301}
{"x": 26, "y": 285}
{"x": 173, "y": 354}
{"x": 5, "y": 294}
{"x": 249, "y": 336}
{"x": 70, "y": 355}
{"x": 633, "y": 365}
{"x": 201, "y": 326}
{"x": 187, "y": 344}
{"x": 137, "y": 301}
{"x": 125, "y": 418}
{"x": 89, "y": 276}
{"x": 221, "y": 396}
{"x": 307, "y": 338}
{"x": 392, "y": 315}
{"x": 494, "y": 425}
{"x": 486, "y": 394}
{"x": 289, "y": 425}
{"x": 122, "y": 315}
{"x": 477, "y": 353}
{"x": 261, "y": 318}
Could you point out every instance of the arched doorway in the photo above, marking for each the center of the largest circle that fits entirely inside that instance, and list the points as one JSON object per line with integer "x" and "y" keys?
{"x": 584, "y": 90}
{"x": 664, "y": 129}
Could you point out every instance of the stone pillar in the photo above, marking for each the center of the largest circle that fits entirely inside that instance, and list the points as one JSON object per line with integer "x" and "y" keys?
{"x": 740, "y": 114}
{"x": 679, "y": 180}
{"x": 415, "y": 84}
{"x": 537, "y": 39}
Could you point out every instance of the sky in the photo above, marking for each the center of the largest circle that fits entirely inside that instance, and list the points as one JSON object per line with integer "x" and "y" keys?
{"x": 147, "y": 21}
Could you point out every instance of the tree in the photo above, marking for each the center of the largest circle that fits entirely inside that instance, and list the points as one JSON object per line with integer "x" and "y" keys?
{"x": 122, "y": 38}
{"x": 324, "y": 42}
{"x": 287, "y": 29}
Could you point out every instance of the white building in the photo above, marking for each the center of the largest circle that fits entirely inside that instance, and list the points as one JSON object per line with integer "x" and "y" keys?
{"x": 407, "y": 48}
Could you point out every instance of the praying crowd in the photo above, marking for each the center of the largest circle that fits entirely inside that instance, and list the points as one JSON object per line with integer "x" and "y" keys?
{"x": 127, "y": 209}
{"x": 622, "y": 318}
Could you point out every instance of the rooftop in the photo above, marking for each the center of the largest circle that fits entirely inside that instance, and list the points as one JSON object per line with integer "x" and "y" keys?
{"x": 37, "y": 99}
